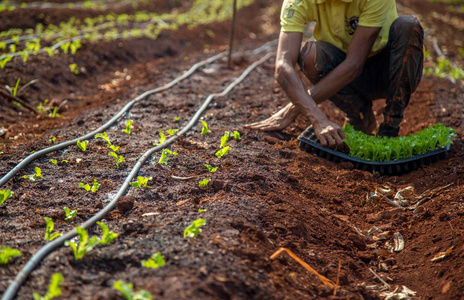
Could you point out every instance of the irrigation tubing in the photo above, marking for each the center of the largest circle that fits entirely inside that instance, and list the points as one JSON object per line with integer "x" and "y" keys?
{"x": 10, "y": 293}
{"x": 108, "y": 124}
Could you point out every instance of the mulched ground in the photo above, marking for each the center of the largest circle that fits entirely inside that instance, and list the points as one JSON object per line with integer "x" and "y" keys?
{"x": 266, "y": 194}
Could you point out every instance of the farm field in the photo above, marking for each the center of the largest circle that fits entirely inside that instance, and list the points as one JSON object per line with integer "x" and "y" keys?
{"x": 80, "y": 63}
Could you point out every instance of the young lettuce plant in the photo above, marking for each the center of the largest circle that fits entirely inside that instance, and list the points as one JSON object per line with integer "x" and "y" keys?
{"x": 4, "y": 195}
{"x": 141, "y": 182}
{"x": 224, "y": 139}
{"x": 128, "y": 127}
{"x": 211, "y": 169}
{"x": 94, "y": 188}
{"x": 54, "y": 161}
{"x": 204, "y": 129}
{"x": 33, "y": 177}
{"x": 194, "y": 229}
{"x": 222, "y": 152}
{"x": 172, "y": 131}
{"x": 104, "y": 136}
{"x": 204, "y": 182}
{"x": 161, "y": 140}
{"x": 70, "y": 214}
{"x": 236, "y": 135}
{"x": 165, "y": 156}
{"x": 154, "y": 262}
{"x": 82, "y": 145}
{"x": 49, "y": 236}
{"x": 119, "y": 158}
{"x": 126, "y": 290}
{"x": 54, "y": 289}
{"x": 6, "y": 253}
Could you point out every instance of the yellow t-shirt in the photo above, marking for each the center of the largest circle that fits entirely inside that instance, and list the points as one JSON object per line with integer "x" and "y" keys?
{"x": 336, "y": 20}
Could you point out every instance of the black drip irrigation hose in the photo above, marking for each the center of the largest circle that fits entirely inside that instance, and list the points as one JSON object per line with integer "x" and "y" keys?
{"x": 21, "y": 277}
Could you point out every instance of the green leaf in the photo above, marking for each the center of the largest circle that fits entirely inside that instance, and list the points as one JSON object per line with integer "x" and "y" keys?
{"x": 211, "y": 169}
{"x": 103, "y": 136}
{"x": 49, "y": 236}
{"x": 141, "y": 181}
{"x": 54, "y": 161}
{"x": 200, "y": 210}
{"x": 108, "y": 236}
{"x": 84, "y": 186}
{"x": 4, "y": 195}
{"x": 7, "y": 253}
{"x": 222, "y": 152}
{"x": 54, "y": 289}
{"x": 204, "y": 129}
{"x": 82, "y": 145}
{"x": 224, "y": 139}
{"x": 172, "y": 131}
{"x": 154, "y": 262}
{"x": 194, "y": 229}
{"x": 126, "y": 290}
{"x": 165, "y": 156}
{"x": 119, "y": 159}
{"x": 128, "y": 127}
{"x": 70, "y": 214}
{"x": 53, "y": 139}
{"x": 95, "y": 186}
{"x": 236, "y": 135}
{"x": 204, "y": 182}
{"x": 176, "y": 119}
{"x": 85, "y": 244}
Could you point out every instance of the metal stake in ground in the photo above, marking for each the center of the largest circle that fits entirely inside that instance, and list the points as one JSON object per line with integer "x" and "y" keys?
{"x": 231, "y": 35}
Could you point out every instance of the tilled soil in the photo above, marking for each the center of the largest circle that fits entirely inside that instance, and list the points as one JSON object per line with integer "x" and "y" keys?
{"x": 266, "y": 193}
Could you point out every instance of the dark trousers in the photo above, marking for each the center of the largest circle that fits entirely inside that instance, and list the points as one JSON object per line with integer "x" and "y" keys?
{"x": 393, "y": 74}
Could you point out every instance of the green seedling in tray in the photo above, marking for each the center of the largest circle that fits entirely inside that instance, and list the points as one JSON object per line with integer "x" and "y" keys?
{"x": 386, "y": 149}
{"x": 126, "y": 290}
{"x": 194, "y": 229}
{"x": 141, "y": 182}
{"x": 94, "y": 188}
{"x": 70, "y": 214}
{"x": 33, "y": 177}
{"x": 49, "y": 236}
{"x": 4, "y": 195}
{"x": 6, "y": 253}
{"x": 128, "y": 127}
{"x": 154, "y": 262}
{"x": 54, "y": 289}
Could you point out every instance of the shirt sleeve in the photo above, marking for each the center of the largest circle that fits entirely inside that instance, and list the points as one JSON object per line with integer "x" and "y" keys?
{"x": 375, "y": 13}
{"x": 292, "y": 17}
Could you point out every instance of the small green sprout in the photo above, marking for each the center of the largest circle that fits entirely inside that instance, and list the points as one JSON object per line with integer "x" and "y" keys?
{"x": 126, "y": 290}
{"x": 194, "y": 229}
{"x": 55, "y": 114}
{"x": 54, "y": 289}
{"x": 223, "y": 152}
{"x": 114, "y": 148}
{"x": 165, "y": 156}
{"x": 154, "y": 262}
{"x": 70, "y": 214}
{"x": 204, "y": 182}
{"x": 200, "y": 210}
{"x": 48, "y": 231}
{"x": 119, "y": 159}
{"x": 128, "y": 127}
{"x": 211, "y": 169}
{"x": 6, "y": 253}
{"x": 204, "y": 129}
{"x": 236, "y": 135}
{"x": 74, "y": 69}
{"x": 172, "y": 131}
{"x": 176, "y": 119}
{"x": 64, "y": 161}
{"x": 4, "y": 195}
{"x": 37, "y": 174}
{"x": 52, "y": 139}
{"x": 86, "y": 244}
{"x": 104, "y": 136}
{"x": 87, "y": 187}
{"x": 162, "y": 139}
{"x": 82, "y": 145}
{"x": 141, "y": 182}
{"x": 224, "y": 139}
{"x": 54, "y": 161}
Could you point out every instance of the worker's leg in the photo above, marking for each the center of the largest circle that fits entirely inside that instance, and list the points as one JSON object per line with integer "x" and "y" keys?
{"x": 316, "y": 60}
{"x": 405, "y": 51}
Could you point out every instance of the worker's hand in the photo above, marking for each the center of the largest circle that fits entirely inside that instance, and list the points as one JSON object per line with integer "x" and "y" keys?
{"x": 278, "y": 121}
{"x": 331, "y": 135}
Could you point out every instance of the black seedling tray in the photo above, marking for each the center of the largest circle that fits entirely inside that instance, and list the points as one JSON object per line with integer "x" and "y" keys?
{"x": 310, "y": 143}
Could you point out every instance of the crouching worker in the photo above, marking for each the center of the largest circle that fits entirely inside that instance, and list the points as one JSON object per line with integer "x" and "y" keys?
{"x": 363, "y": 52}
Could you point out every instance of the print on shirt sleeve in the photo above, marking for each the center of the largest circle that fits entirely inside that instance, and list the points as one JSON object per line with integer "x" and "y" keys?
{"x": 351, "y": 24}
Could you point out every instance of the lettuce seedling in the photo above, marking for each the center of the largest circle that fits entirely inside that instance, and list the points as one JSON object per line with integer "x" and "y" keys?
{"x": 126, "y": 290}
{"x": 162, "y": 139}
{"x": 176, "y": 119}
{"x": 200, "y": 210}
{"x": 224, "y": 139}
{"x": 54, "y": 161}
{"x": 6, "y": 253}
{"x": 48, "y": 231}
{"x": 82, "y": 145}
{"x": 172, "y": 131}
{"x": 54, "y": 289}
{"x": 70, "y": 214}
{"x": 119, "y": 159}
{"x": 141, "y": 182}
{"x": 165, "y": 156}
{"x": 114, "y": 148}
{"x": 104, "y": 136}
{"x": 37, "y": 174}
{"x": 223, "y": 151}
{"x": 204, "y": 182}
{"x": 128, "y": 127}
{"x": 107, "y": 236}
{"x": 154, "y": 262}
{"x": 55, "y": 114}
{"x": 86, "y": 244}
{"x": 4, "y": 195}
{"x": 87, "y": 187}
{"x": 194, "y": 229}
{"x": 204, "y": 129}
{"x": 211, "y": 169}
{"x": 74, "y": 69}
{"x": 52, "y": 140}
{"x": 236, "y": 135}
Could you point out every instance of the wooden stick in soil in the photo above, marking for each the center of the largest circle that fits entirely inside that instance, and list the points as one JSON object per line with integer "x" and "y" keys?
{"x": 231, "y": 36}
{"x": 20, "y": 101}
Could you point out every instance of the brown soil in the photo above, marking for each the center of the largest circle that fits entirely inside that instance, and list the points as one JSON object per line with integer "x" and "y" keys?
{"x": 266, "y": 194}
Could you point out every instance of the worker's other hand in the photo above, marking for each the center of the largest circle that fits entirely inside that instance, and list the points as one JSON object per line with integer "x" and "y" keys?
{"x": 331, "y": 135}
{"x": 277, "y": 121}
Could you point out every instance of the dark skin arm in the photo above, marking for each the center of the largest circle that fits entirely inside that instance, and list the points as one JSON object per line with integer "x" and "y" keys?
{"x": 329, "y": 133}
